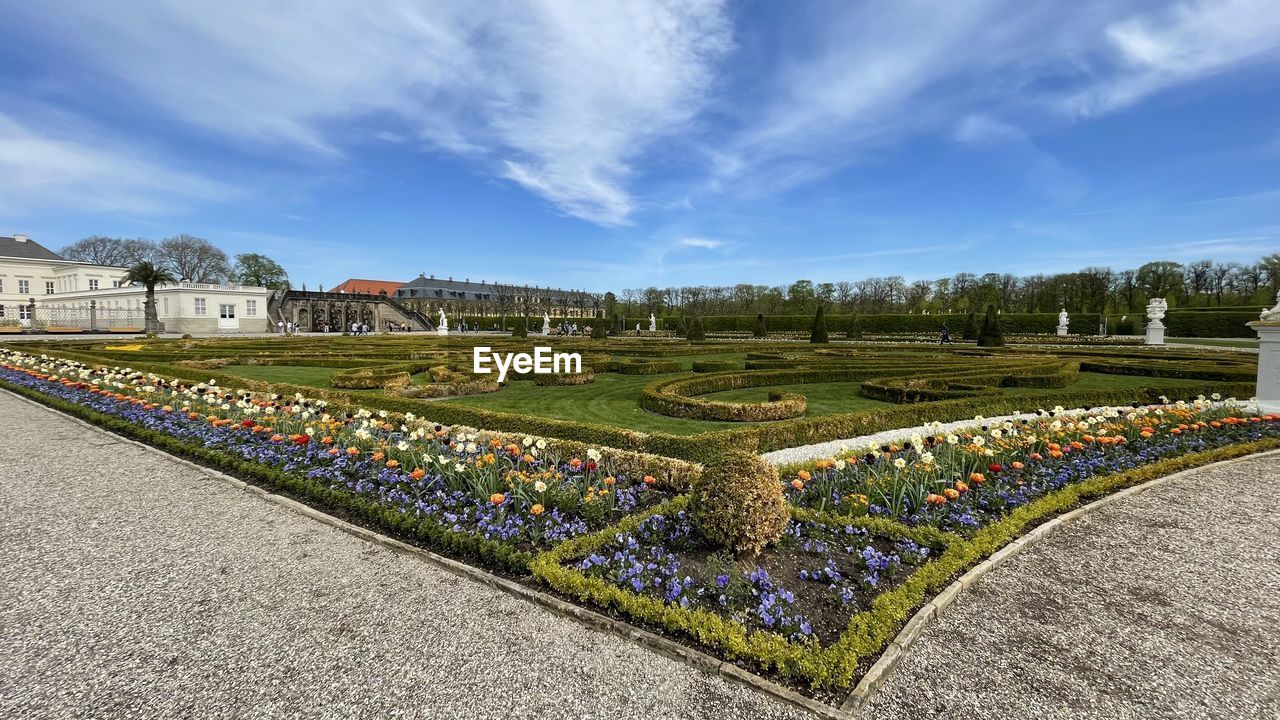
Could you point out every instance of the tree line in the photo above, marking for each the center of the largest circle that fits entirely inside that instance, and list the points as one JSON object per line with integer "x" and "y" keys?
{"x": 1093, "y": 289}
{"x": 186, "y": 257}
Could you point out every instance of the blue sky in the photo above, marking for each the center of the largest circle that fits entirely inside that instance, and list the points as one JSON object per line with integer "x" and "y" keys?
{"x": 621, "y": 144}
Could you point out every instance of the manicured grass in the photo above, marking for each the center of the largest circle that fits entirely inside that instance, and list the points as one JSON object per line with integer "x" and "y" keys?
{"x": 1227, "y": 343}
{"x": 291, "y": 374}
{"x": 611, "y": 400}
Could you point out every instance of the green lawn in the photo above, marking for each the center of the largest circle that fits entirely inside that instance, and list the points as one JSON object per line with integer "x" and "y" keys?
{"x": 1101, "y": 381}
{"x": 824, "y": 398}
{"x": 1228, "y": 343}
{"x": 291, "y": 374}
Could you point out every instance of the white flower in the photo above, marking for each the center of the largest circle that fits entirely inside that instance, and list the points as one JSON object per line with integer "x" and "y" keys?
{"x": 899, "y": 463}
{"x": 1216, "y": 396}
{"x": 977, "y": 418}
{"x": 593, "y": 454}
{"x": 528, "y": 441}
{"x": 926, "y": 458}
{"x": 840, "y": 465}
{"x": 952, "y": 439}
{"x": 460, "y": 467}
{"x": 402, "y": 446}
{"x": 979, "y": 441}
{"x": 542, "y": 444}
{"x": 996, "y": 433}
{"x": 540, "y": 486}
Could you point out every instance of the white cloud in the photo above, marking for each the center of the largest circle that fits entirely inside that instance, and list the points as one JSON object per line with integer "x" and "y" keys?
{"x": 1189, "y": 41}
{"x": 701, "y": 242}
{"x": 44, "y": 169}
{"x": 558, "y": 96}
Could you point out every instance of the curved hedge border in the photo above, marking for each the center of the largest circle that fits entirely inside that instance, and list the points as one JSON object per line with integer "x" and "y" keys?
{"x": 868, "y": 632}
{"x": 1158, "y": 369}
{"x": 579, "y": 378}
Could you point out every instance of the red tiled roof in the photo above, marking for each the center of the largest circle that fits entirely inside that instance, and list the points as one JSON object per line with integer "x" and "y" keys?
{"x": 372, "y": 287}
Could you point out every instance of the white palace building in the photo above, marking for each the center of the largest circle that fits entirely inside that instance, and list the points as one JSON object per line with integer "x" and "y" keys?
{"x": 41, "y": 290}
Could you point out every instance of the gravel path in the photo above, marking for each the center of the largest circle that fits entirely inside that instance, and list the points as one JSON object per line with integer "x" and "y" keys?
{"x": 132, "y": 588}
{"x": 1165, "y": 605}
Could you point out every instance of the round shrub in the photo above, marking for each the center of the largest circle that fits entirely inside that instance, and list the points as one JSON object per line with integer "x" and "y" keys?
{"x": 519, "y": 329}
{"x": 737, "y": 503}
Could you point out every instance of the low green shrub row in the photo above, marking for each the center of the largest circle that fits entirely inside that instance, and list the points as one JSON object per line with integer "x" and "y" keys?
{"x": 579, "y": 378}
{"x": 370, "y": 378}
{"x": 649, "y": 367}
{"x": 710, "y": 366}
{"x": 1183, "y": 370}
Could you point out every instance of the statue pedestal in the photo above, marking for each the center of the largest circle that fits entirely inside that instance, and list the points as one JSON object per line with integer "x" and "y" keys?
{"x": 1155, "y": 333}
{"x": 1268, "y": 391}
{"x": 1062, "y": 331}
{"x": 442, "y": 330}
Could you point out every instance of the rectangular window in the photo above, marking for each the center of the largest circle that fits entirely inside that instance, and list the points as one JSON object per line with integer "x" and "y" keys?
{"x": 251, "y": 308}
{"x": 1, "y": 285}
{"x": 227, "y": 312}
{"x": 24, "y": 312}
{"x": 24, "y": 287}
{"x": 48, "y": 287}
{"x": 115, "y": 283}
{"x": 1, "y": 311}
{"x": 93, "y": 284}
{"x": 200, "y": 308}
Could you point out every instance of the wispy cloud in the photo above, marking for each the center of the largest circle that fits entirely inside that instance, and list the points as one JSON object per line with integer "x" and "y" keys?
{"x": 557, "y": 96}
{"x": 48, "y": 168}
{"x": 701, "y": 242}
{"x": 1186, "y": 42}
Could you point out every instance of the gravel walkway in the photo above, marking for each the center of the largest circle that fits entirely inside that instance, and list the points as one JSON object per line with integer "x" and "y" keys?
{"x": 1165, "y": 605}
{"x": 132, "y": 588}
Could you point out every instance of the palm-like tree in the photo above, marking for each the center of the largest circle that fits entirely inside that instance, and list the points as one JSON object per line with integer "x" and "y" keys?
{"x": 149, "y": 275}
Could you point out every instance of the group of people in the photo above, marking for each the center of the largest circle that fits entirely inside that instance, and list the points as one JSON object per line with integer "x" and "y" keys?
{"x": 568, "y": 328}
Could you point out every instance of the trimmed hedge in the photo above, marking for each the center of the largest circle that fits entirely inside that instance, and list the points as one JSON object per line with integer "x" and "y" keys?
{"x": 709, "y": 366}
{"x": 578, "y": 378}
{"x": 889, "y": 323}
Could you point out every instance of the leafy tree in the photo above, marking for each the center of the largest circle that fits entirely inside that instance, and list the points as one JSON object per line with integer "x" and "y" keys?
{"x": 118, "y": 252}
{"x": 1160, "y": 279}
{"x": 260, "y": 271}
{"x": 194, "y": 259}
{"x": 991, "y": 334}
{"x": 819, "y": 332}
{"x": 149, "y": 276}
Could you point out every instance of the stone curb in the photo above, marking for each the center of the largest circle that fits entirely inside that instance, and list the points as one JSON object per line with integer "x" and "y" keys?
{"x": 875, "y": 677}
{"x": 657, "y": 643}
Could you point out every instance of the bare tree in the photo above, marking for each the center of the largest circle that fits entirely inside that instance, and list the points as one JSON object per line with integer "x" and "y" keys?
{"x": 195, "y": 259}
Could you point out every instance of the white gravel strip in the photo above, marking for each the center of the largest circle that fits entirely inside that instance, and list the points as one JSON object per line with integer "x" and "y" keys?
{"x": 1162, "y": 605}
{"x": 821, "y": 450}
{"x": 131, "y": 587}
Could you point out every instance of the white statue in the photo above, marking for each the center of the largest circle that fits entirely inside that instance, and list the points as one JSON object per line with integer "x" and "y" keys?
{"x": 546, "y": 324}
{"x": 1062, "y": 322}
{"x": 1272, "y": 315}
{"x": 637, "y": 328}
{"x": 1155, "y": 313}
{"x": 653, "y": 323}
{"x": 443, "y": 327}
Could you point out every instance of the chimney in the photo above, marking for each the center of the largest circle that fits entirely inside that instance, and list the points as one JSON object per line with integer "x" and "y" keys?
{"x": 20, "y": 238}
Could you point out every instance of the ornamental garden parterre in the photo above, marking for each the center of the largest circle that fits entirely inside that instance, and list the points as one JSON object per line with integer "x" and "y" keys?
{"x": 802, "y": 573}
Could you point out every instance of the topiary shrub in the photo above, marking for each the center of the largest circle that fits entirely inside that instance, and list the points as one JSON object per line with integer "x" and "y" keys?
{"x": 598, "y": 330}
{"x": 760, "y": 330}
{"x": 970, "y": 327}
{"x": 695, "y": 332}
{"x": 991, "y": 334}
{"x": 854, "y": 330}
{"x": 737, "y": 503}
{"x": 819, "y": 332}
{"x": 519, "y": 329}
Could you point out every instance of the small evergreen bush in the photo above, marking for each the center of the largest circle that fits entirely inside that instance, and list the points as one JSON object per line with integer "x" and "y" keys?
{"x": 737, "y": 503}
{"x": 819, "y": 332}
{"x": 519, "y": 330}
{"x": 760, "y": 330}
{"x": 991, "y": 334}
{"x": 695, "y": 332}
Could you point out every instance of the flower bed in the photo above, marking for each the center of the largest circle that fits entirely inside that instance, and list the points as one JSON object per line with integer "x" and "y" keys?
{"x": 874, "y": 532}
{"x": 519, "y": 496}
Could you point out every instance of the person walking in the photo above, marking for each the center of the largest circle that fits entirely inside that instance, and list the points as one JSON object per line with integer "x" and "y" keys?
{"x": 946, "y": 335}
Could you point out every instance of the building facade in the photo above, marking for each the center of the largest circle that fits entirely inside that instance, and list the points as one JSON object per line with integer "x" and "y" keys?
{"x": 459, "y": 298}
{"x": 196, "y": 308}
{"x": 31, "y": 272}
